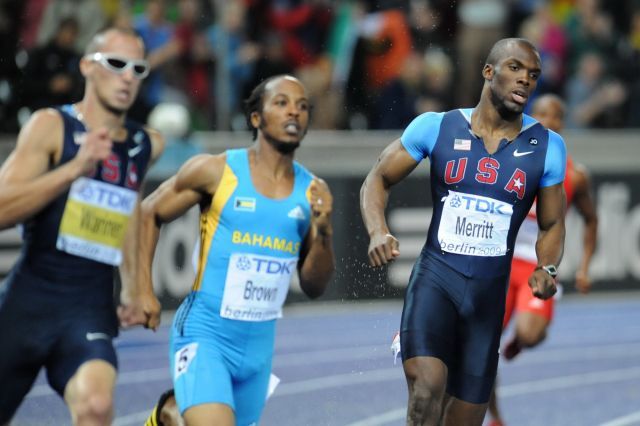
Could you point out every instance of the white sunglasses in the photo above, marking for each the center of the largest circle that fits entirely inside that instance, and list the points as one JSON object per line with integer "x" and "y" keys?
{"x": 119, "y": 65}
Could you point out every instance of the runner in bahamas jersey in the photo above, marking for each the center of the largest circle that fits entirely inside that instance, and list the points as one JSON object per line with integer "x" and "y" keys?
{"x": 264, "y": 216}
{"x": 73, "y": 182}
{"x": 487, "y": 166}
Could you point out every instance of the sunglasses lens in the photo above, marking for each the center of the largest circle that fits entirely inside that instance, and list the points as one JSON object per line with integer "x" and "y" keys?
{"x": 140, "y": 69}
{"x": 116, "y": 64}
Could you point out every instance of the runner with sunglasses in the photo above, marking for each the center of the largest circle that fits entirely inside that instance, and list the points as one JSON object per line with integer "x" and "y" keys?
{"x": 119, "y": 65}
{"x": 72, "y": 181}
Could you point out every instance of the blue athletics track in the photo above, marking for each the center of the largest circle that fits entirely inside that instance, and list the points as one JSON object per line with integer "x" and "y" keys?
{"x": 336, "y": 368}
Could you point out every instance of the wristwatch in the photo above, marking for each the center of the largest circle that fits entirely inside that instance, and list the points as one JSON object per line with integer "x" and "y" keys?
{"x": 549, "y": 269}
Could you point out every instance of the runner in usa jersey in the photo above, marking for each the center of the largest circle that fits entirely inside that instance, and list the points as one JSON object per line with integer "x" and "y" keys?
{"x": 487, "y": 165}
{"x": 533, "y": 315}
{"x": 481, "y": 198}
{"x": 73, "y": 183}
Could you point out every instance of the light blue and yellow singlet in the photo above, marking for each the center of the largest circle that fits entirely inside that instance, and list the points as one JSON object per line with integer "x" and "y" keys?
{"x": 249, "y": 248}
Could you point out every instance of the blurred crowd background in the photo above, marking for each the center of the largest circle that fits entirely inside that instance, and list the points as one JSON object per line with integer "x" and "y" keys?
{"x": 368, "y": 64}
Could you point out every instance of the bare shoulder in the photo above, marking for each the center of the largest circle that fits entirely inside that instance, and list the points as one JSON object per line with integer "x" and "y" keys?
{"x": 157, "y": 143}
{"x": 43, "y": 130}
{"x": 202, "y": 172}
{"x": 39, "y": 144}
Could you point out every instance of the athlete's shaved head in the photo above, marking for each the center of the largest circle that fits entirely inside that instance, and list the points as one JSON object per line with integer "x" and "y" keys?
{"x": 104, "y": 77}
{"x": 100, "y": 39}
{"x": 510, "y": 76}
{"x": 503, "y": 48}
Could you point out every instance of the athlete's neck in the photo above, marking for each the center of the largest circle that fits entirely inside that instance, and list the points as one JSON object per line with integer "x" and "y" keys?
{"x": 94, "y": 116}
{"x": 487, "y": 121}
{"x": 268, "y": 161}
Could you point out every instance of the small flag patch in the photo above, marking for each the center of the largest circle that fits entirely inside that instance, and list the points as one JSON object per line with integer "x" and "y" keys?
{"x": 462, "y": 144}
{"x": 244, "y": 204}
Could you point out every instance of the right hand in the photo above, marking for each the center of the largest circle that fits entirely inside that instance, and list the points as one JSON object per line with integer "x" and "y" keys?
{"x": 542, "y": 284}
{"x": 95, "y": 148}
{"x": 383, "y": 248}
{"x": 140, "y": 309}
{"x": 321, "y": 202}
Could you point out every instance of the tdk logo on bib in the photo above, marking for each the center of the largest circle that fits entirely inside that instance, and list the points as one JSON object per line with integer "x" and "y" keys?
{"x": 105, "y": 195}
{"x": 480, "y": 204}
{"x": 243, "y": 263}
{"x": 268, "y": 266}
{"x": 274, "y": 266}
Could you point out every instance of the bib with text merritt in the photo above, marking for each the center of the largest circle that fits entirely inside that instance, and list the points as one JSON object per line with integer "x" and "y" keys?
{"x": 95, "y": 220}
{"x": 474, "y": 225}
{"x": 256, "y": 286}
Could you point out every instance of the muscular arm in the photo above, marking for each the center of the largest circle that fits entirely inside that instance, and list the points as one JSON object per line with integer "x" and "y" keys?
{"x": 317, "y": 262}
{"x": 132, "y": 295}
{"x": 27, "y": 182}
{"x": 197, "y": 179}
{"x": 585, "y": 205}
{"x": 129, "y": 263}
{"x": 550, "y": 244}
{"x": 393, "y": 165}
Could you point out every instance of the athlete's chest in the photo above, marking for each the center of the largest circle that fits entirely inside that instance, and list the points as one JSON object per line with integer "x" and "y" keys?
{"x": 461, "y": 162}
{"x": 249, "y": 211}
{"x": 125, "y": 164}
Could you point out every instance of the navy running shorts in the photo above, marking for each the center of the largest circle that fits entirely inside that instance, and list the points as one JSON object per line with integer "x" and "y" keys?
{"x": 457, "y": 320}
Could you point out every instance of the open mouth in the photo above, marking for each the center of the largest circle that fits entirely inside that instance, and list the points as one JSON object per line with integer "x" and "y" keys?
{"x": 292, "y": 128}
{"x": 519, "y": 96}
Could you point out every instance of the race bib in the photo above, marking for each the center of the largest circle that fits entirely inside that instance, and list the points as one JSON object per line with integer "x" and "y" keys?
{"x": 256, "y": 287}
{"x": 474, "y": 225}
{"x": 95, "y": 220}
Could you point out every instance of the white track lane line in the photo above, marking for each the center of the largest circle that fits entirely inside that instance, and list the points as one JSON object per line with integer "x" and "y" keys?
{"x": 628, "y": 420}
{"x": 525, "y": 388}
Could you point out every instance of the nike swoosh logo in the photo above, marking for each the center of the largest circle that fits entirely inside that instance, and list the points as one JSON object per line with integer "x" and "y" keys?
{"x": 96, "y": 336}
{"x": 134, "y": 151}
{"x": 520, "y": 154}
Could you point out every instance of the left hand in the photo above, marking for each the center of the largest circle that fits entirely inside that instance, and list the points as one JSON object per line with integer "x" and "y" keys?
{"x": 142, "y": 309}
{"x": 321, "y": 202}
{"x": 542, "y": 284}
